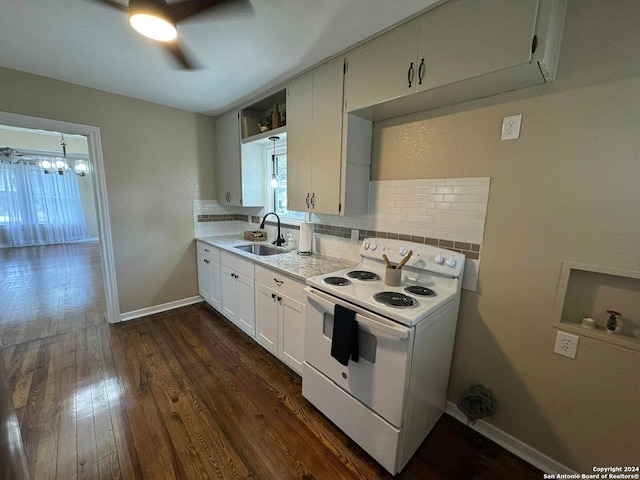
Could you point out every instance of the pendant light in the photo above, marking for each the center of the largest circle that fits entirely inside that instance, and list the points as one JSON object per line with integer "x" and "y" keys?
{"x": 274, "y": 164}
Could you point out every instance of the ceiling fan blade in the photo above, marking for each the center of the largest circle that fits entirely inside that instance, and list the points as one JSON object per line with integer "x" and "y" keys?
{"x": 189, "y": 8}
{"x": 180, "y": 56}
{"x": 114, "y": 4}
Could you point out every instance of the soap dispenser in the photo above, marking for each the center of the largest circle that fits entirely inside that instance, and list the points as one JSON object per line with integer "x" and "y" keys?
{"x": 291, "y": 242}
{"x": 612, "y": 323}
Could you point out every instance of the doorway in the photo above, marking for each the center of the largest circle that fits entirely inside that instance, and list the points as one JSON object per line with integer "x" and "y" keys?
{"x": 104, "y": 250}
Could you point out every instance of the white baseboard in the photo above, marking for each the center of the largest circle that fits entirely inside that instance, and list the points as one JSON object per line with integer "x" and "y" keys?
{"x": 143, "y": 312}
{"x": 511, "y": 444}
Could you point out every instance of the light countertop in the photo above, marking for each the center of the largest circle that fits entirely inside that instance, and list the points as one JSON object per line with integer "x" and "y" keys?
{"x": 289, "y": 263}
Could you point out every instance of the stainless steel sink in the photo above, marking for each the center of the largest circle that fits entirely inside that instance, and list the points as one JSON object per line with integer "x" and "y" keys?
{"x": 259, "y": 249}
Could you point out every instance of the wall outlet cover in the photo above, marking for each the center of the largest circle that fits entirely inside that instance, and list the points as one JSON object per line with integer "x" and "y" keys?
{"x": 566, "y": 344}
{"x": 511, "y": 127}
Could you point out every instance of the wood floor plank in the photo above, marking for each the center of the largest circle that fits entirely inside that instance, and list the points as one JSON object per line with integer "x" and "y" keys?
{"x": 67, "y": 458}
{"x": 48, "y": 417}
{"x": 105, "y": 443}
{"x": 86, "y": 434}
{"x": 129, "y": 465}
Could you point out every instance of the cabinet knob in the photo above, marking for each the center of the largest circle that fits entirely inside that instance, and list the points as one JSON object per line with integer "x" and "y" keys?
{"x": 279, "y": 299}
{"x": 206, "y": 261}
{"x": 273, "y": 295}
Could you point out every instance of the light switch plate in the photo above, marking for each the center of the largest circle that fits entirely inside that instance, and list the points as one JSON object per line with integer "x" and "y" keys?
{"x": 511, "y": 127}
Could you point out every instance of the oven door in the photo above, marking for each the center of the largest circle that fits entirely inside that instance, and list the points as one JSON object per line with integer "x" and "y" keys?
{"x": 380, "y": 377}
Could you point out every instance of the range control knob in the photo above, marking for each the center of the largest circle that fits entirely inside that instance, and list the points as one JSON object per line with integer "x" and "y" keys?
{"x": 366, "y": 245}
{"x": 403, "y": 251}
{"x": 373, "y": 246}
{"x": 439, "y": 259}
{"x": 451, "y": 262}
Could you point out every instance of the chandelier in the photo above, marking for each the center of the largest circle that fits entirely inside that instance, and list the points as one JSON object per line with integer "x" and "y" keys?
{"x": 61, "y": 165}
{"x": 48, "y": 164}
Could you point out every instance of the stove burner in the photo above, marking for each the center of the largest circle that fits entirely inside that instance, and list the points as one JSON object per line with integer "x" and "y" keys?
{"x": 395, "y": 299}
{"x": 422, "y": 291}
{"x": 339, "y": 281}
{"x": 363, "y": 275}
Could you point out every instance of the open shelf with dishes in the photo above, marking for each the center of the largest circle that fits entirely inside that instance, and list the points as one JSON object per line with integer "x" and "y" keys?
{"x": 589, "y": 296}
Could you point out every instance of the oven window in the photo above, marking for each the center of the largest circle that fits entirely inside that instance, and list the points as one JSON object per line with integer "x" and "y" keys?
{"x": 367, "y": 343}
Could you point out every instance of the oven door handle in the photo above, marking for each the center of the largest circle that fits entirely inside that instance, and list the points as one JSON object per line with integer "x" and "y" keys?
{"x": 328, "y": 304}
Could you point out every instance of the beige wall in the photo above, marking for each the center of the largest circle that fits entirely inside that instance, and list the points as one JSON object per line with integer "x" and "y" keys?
{"x": 569, "y": 189}
{"x": 35, "y": 140}
{"x": 157, "y": 160}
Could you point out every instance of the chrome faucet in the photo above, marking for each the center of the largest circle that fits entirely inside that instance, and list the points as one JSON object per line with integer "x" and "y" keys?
{"x": 279, "y": 238}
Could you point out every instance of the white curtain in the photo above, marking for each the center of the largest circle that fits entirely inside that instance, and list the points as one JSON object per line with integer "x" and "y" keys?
{"x": 38, "y": 208}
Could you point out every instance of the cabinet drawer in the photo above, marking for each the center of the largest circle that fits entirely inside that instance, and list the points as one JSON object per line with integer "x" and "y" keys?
{"x": 206, "y": 250}
{"x": 283, "y": 284}
{"x": 240, "y": 265}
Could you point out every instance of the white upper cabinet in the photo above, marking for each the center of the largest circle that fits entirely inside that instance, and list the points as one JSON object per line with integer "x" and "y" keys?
{"x": 460, "y": 50}
{"x": 300, "y": 132}
{"x": 240, "y": 171}
{"x": 317, "y": 162}
{"x": 383, "y": 69}
{"x": 468, "y": 38}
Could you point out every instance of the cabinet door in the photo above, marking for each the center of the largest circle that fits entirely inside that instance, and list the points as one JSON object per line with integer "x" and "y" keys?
{"x": 291, "y": 341}
{"x": 266, "y": 318}
{"x": 228, "y": 158}
{"x": 299, "y": 133}
{"x": 466, "y": 38}
{"x": 380, "y": 70}
{"x": 215, "y": 299}
{"x": 245, "y": 313}
{"x": 229, "y": 293}
{"x": 326, "y": 155}
{"x": 204, "y": 277}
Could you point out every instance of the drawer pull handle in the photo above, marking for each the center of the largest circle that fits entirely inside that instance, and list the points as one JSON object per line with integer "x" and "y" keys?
{"x": 206, "y": 250}
{"x": 421, "y": 72}
{"x": 278, "y": 282}
{"x": 410, "y": 75}
{"x": 279, "y": 299}
{"x": 273, "y": 295}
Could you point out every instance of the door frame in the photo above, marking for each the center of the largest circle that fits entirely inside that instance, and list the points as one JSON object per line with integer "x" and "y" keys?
{"x": 100, "y": 195}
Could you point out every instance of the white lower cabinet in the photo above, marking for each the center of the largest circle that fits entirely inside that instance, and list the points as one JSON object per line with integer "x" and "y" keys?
{"x": 280, "y": 305}
{"x": 209, "y": 274}
{"x": 237, "y": 286}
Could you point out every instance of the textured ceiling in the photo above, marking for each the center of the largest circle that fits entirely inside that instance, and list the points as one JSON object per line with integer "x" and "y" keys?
{"x": 243, "y": 47}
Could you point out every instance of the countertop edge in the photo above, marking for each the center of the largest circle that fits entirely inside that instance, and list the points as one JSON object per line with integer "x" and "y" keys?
{"x": 288, "y": 263}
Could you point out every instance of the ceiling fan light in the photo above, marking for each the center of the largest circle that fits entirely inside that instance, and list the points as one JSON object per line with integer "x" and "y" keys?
{"x": 153, "y": 26}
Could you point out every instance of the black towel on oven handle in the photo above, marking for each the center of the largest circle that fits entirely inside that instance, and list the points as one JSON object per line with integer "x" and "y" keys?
{"x": 344, "y": 343}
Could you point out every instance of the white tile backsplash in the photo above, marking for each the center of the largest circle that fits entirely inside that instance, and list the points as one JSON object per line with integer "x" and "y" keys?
{"x": 418, "y": 206}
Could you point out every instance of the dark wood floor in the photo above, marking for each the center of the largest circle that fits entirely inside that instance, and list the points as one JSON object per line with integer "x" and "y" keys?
{"x": 185, "y": 394}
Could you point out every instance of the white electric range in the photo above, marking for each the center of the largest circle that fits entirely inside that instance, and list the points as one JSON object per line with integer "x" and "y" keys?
{"x": 390, "y": 394}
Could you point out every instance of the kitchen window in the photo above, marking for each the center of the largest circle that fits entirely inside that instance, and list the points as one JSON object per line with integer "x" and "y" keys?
{"x": 277, "y": 196}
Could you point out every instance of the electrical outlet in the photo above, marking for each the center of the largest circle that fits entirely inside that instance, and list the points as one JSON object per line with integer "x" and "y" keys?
{"x": 566, "y": 344}
{"x": 354, "y": 235}
{"x": 511, "y": 127}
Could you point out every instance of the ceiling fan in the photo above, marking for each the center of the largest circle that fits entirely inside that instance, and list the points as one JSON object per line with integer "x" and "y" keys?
{"x": 157, "y": 20}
